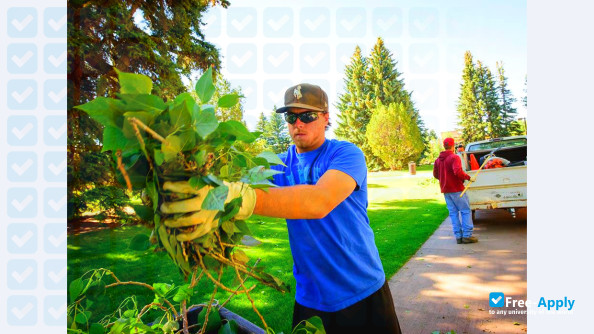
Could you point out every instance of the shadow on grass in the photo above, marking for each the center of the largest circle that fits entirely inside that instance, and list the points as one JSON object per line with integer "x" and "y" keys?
{"x": 400, "y": 228}
{"x": 373, "y": 185}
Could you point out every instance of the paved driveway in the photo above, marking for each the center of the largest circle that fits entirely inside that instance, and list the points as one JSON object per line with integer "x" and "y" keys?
{"x": 446, "y": 286}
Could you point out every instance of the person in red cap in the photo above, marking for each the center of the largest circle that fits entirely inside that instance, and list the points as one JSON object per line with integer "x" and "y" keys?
{"x": 448, "y": 170}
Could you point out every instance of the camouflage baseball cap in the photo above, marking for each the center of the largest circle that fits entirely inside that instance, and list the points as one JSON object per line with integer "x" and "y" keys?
{"x": 306, "y": 96}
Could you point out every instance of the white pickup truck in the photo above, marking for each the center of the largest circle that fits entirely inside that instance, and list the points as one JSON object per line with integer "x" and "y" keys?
{"x": 498, "y": 188}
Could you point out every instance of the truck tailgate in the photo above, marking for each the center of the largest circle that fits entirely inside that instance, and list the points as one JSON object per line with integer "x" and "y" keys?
{"x": 499, "y": 188}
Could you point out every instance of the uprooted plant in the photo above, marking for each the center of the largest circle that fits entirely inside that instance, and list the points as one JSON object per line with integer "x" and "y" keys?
{"x": 153, "y": 142}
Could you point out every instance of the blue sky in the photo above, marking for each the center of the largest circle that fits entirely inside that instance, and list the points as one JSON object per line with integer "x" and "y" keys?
{"x": 267, "y": 46}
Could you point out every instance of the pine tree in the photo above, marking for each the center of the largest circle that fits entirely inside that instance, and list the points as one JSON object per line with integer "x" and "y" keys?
{"x": 488, "y": 102}
{"x": 276, "y": 133}
{"x": 105, "y": 36}
{"x": 470, "y": 113}
{"x": 394, "y": 136}
{"x": 370, "y": 82}
{"x": 262, "y": 121}
{"x": 506, "y": 100}
{"x": 223, "y": 87}
{"x": 353, "y": 116}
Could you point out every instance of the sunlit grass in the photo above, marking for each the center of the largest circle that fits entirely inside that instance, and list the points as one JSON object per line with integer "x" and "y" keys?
{"x": 404, "y": 211}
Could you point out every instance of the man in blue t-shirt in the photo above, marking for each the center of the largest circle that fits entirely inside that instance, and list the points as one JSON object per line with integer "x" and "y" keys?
{"x": 323, "y": 195}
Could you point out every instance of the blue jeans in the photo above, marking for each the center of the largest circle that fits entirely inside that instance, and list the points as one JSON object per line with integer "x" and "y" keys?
{"x": 459, "y": 206}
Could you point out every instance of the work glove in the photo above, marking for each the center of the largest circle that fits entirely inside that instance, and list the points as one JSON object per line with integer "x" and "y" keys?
{"x": 203, "y": 221}
{"x": 473, "y": 178}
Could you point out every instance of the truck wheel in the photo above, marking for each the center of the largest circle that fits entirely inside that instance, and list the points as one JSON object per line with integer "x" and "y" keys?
{"x": 473, "y": 214}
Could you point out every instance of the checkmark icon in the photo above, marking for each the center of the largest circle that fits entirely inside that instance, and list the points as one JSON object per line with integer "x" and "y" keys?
{"x": 57, "y": 169}
{"x": 21, "y": 312}
{"x": 277, "y": 61}
{"x": 352, "y": 23}
{"x": 57, "y": 277}
{"x": 20, "y": 241}
{"x": 240, "y": 25}
{"x": 57, "y": 241}
{"x": 21, "y": 133}
{"x": 20, "y": 25}
{"x": 57, "y": 97}
{"x": 387, "y": 24}
{"x": 57, "y": 205}
{"x": 276, "y": 25}
{"x": 21, "y": 205}
{"x": 240, "y": 61}
{"x": 22, "y": 168}
{"x": 20, "y": 97}
{"x": 57, "y": 25}
{"x": 57, "y": 61}
{"x": 313, "y": 61}
{"x": 22, "y": 276}
{"x": 57, "y": 312}
{"x": 57, "y": 133}
{"x": 423, "y": 24}
{"x": 496, "y": 299}
{"x": 21, "y": 61}
{"x": 314, "y": 24}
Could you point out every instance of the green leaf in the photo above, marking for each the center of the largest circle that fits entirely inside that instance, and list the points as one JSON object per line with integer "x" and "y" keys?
{"x": 243, "y": 227}
{"x": 271, "y": 157}
{"x": 96, "y": 329}
{"x": 196, "y": 182}
{"x": 230, "y": 327}
{"x": 104, "y": 110}
{"x": 143, "y": 116}
{"x": 172, "y": 147}
{"x": 240, "y": 256}
{"x": 171, "y": 327}
{"x": 183, "y": 292}
{"x": 228, "y": 227}
{"x": 162, "y": 288}
{"x": 95, "y": 290}
{"x": 83, "y": 317}
{"x": 159, "y": 157}
{"x": 259, "y": 175}
{"x": 140, "y": 242}
{"x": 130, "y": 313}
{"x": 224, "y": 171}
{"x": 228, "y": 101}
{"x": 113, "y": 139}
{"x": 236, "y": 130}
{"x": 187, "y": 98}
{"x": 215, "y": 200}
{"x": 205, "y": 123}
{"x": 204, "y": 87}
{"x": 180, "y": 115}
{"x": 131, "y": 83}
{"x": 212, "y": 180}
{"x": 214, "y": 319}
{"x": 231, "y": 209}
{"x": 187, "y": 139}
{"x": 142, "y": 102}
{"x": 75, "y": 288}
{"x": 151, "y": 191}
{"x": 200, "y": 157}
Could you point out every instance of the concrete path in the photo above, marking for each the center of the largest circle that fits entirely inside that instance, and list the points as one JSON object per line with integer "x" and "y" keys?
{"x": 446, "y": 286}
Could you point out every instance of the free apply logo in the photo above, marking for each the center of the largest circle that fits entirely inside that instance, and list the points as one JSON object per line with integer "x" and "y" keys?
{"x": 498, "y": 299}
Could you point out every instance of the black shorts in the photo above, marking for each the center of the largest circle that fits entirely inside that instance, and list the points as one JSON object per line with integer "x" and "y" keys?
{"x": 374, "y": 314}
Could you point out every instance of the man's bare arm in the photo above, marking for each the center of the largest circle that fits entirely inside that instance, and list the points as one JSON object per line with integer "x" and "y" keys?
{"x": 306, "y": 201}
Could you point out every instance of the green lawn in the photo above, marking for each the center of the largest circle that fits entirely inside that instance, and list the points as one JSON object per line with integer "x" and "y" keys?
{"x": 404, "y": 211}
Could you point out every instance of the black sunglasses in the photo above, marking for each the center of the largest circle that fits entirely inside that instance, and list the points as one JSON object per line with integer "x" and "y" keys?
{"x": 305, "y": 117}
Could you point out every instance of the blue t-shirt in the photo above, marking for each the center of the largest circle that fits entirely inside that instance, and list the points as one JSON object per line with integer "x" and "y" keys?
{"x": 336, "y": 262}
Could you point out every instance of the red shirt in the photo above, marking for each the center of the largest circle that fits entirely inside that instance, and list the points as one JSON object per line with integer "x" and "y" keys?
{"x": 448, "y": 170}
